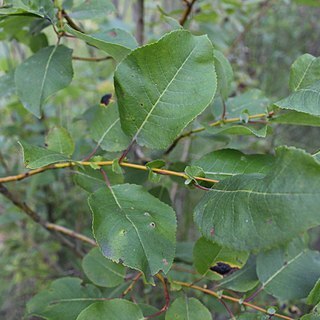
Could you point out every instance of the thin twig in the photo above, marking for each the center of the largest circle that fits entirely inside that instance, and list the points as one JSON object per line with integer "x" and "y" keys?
{"x": 132, "y": 284}
{"x": 214, "y": 124}
{"x": 71, "y": 23}
{"x": 100, "y": 163}
{"x": 254, "y": 294}
{"x": 166, "y": 296}
{"x": 140, "y": 21}
{"x": 91, "y": 59}
{"x": 225, "y": 297}
{"x": 105, "y": 177}
{"x": 232, "y": 317}
{"x": 187, "y": 11}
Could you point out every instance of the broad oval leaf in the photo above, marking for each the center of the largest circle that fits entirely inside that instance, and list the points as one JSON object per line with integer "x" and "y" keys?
{"x": 63, "y": 300}
{"x": 116, "y": 309}
{"x": 303, "y": 100}
{"x": 101, "y": 271}
{"x": 288, "y": 273}
{"x": 105, "y": 128}
{"x": 249, "y": 212}
{"x": 60, "y": 140}
{"x": 43, "y": 74}
{"x": 116, "y": 42}
{"x": 252, "y": 102}
{"x": 163, "y": 86}
{"x": 185, "y": 308}
{"x": 35, "y": 157}
{"x": 304, "y": 72}
{"x": 134, "y": 228}
{"x": 226, "y": 163}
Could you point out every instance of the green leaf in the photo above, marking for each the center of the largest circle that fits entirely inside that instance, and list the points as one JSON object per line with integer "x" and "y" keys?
{"x": 243, "y": 130}
{"x": 242, "y": 280}
{"x": 305, "y": 100}
{"x": 116, "y": 168}
{"x": 105, "y": 128}
{"x": 43, "y": 74}
{"x": 63, "y": 300}
{"x": 159, "y": 94}
{"x": 132, "y": 226}
{"x": 117, "y": 46}
{"x": 162, "y": 194}
{"x": 297, "y": 118}
{"x": 314, "y": 295}
{"x": 153, "y": 176}
{"x": 251, "y": 102}
{"x": 101, "y": 271}
{"x": 38, "y": 8}
{"x": 192, "y": 172}
{"x": 317, "y": 156}
{"x": 92, "y": 9}
{"x": 224, "y": 74}
{"x": 35, "y": 157}
{"x": 207, "y": 253}
{"x": 304, "y": 72}
{"x": 185, "y": 308}
{"x": 91, "y": 180}
{"x": 115, "y": 309}
{"x": 228, "y": 162}
{"x": 60, "y": 140}
{"x": 288, "y": 273}
{"x": 248, "y": 212}
{"x": 156, "y": 164}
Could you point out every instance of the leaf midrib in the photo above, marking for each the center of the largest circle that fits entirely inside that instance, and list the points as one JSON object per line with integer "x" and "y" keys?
{"x": 282, "y": 268}
{"x": 134, "y": 226}
{"x": 162, "y": 94}
{"x": 46, "y": 72}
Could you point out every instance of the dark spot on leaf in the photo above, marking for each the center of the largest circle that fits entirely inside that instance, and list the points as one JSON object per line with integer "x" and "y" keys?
{"x": 112, "y": 33}
{"x": 152, "y": 225}
{"x": 45, "y": 144}
{"x": 105, "y": 100}
{"x": 223, "y": 268}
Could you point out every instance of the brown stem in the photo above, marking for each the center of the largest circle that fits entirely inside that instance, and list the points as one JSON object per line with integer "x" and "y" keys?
{"x": 214, "y": 124}
{"x": 187, "y": 11}
{"x": 140, "y": 21}
{"x": 106, "y": 179}
{"x": 232, "y": 317}
{"x": 91, "y": 59}
{"x": 166, "y": 295}
{"x": 225, "y": 297}
{"x": 71, "y": 23}
{"x": 99, "y": 163}
{"x": 134, "y": 281}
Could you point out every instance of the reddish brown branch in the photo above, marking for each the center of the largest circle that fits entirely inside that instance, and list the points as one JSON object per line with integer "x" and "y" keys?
{"x": 91, "y": 59}
{"x": 187, "y": 11}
